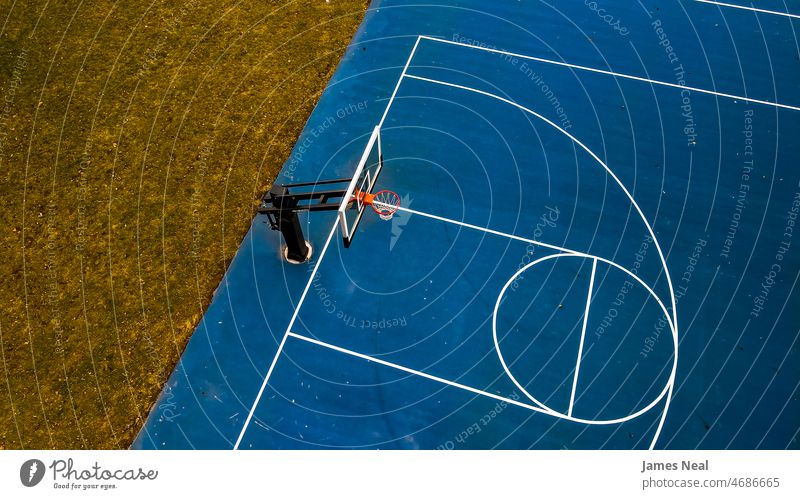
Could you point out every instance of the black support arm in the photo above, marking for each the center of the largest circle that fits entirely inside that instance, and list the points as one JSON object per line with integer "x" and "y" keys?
{"x": 281, "y": 207}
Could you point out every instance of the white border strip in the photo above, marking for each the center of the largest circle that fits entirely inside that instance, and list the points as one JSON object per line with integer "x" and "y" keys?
{"x": 612, "y": 73}
{"x": 754, "y": 9}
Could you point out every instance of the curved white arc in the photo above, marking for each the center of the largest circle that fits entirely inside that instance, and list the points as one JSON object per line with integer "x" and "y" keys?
{"x": 673, "y": 317}
{"x": 548, "y": 410}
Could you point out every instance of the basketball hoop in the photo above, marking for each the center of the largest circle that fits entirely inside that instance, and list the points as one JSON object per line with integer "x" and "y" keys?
{"x": 385, "y": 203}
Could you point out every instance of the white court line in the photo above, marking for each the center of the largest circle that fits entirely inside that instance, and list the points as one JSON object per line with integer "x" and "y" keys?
{"x": 399, "y": 81}
{"x": 521, "y": 388}
{"x": 477, "y": 391}
{"x": 754, "y": 9}
{"x": 612, "y": 73}
{"x": 495, "y": 232}
{"x": 333, "y": 230}
{"x": 583, "y": 336}
{"x": 260, "y": 392}
{"x": 418, "y": 373}
{"x": 314, "y": 271}
{"x": 283, "y": 340}
{"x": 674, "y": 318}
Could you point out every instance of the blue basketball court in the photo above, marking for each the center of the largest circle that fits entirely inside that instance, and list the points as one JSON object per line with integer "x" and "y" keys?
{"x": 594, "y": 246}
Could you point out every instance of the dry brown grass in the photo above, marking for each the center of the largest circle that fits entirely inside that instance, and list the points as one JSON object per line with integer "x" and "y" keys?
{"x": 136, "y": 138}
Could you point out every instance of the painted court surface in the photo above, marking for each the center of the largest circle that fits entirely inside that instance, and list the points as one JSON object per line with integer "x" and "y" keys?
{"x": 596, "y": 245}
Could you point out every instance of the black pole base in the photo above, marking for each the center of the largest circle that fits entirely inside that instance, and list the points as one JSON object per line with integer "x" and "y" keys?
{"x": 295, "y": 258}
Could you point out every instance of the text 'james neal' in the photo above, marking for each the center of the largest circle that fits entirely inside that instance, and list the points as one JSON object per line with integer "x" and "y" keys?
{"x": 683, "y": 466}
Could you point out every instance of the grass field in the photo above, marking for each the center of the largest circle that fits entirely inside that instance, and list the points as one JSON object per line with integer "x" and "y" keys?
{"x": 135, "y": 139}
